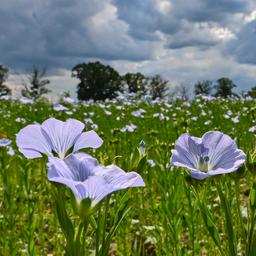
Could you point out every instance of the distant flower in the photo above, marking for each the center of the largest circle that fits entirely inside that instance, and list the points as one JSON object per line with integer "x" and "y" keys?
{"x": 162, "y": 117}
{"x": 10, "y": 151}
{"x": 69, "y": 100}
{"x": 230, "y": 112}
{"x": 88, "y": 121}
{"x": 203, "y": 113}
{"x": 60, "y": 107}
{"x": 20, "y": 120}
{"x": 207, "y": 122}
{"x": 5, "y": 142}
{"x": 101, "y": 105}
{"x": 151, "y": 162}
{"x": 252, "y": 129}
{"x": 26, "y": 100}
{"x": 94, "y": 126}
{"x": 55, "y": 136}
{"x": 119, "y": 107}
{"x": 214, "y": 153}
{"x": 138, "y": 113}
{"x": 207, "y": 97}
{"x": 128, "y": 128}
{"x": 235, "y": 120}
{"x": 108, "y": 113}
{"x": 5, "y": 97}
{"x": 88, "y": 179}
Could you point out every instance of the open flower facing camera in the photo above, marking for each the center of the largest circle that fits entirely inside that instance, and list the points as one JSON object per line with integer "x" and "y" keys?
{"x": 214, "y": 153}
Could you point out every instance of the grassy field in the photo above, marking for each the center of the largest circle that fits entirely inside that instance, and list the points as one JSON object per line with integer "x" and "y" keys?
{"x": 167, "y": 217}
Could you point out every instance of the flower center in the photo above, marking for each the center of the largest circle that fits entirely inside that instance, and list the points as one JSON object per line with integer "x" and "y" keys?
{"x": 203, "y": 163}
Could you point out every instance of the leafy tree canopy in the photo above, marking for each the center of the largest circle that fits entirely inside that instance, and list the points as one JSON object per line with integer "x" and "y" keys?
{"x": 252, "y": 92}
{"x": 158, "y": 87}
{"x": 203, "y": 87}
{"x": 224, "y": 88}
{"x": 97, "y": 81}
{"x": 136, "y": 82}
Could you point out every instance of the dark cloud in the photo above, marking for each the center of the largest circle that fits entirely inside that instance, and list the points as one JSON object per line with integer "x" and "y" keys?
{"x": 208, "y": 10}
{"x": 243, "y": 46}
{"x": 62, "y": 33}
{"x": 176, "y": 18}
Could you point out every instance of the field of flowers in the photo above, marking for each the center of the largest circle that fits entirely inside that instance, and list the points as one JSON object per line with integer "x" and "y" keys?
{"x": 173, "y": 214}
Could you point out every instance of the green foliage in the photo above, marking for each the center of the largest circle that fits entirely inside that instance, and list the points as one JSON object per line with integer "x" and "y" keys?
{"x": 136, "y": 82}
{"x": 4, "y": 90}
{"x": 164, "y": 218}
{"x": 252, "y": 92}
{"x": 37, "y": 85}
{"x": 224, "y": 88}
{"x": 203, "y": 87}
{"x": 158, "y": 87}
{"x": 97, "y": 81}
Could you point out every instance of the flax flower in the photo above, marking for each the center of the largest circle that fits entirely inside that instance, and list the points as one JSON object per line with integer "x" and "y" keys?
{"x": 88, "y": 179}
{"x": 54, "y": 137}
{"x": 214, "y": 153}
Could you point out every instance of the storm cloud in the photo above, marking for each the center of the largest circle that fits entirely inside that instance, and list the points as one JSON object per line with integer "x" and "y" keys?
{"x": 131, "y": 36}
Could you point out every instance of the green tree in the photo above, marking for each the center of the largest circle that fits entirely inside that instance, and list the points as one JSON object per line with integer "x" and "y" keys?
{"x": 224, "y": 88}
{"x": 4, "y": 90}
{"x": 203, "y": 87}
{"x": 252, "y": 92}
{"x": 36, "y": 85}
{"x": 158, "y": 87}
{"x": 136, "y": 82}
{"x": 97, "y": 81}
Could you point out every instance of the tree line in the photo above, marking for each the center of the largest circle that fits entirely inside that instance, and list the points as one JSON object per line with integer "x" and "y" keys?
{"x": 99, "y": 82}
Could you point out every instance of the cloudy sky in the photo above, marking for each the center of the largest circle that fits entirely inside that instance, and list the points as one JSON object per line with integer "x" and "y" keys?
{"x": 182, "y": 40}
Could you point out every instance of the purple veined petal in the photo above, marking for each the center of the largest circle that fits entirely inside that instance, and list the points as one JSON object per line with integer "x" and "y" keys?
{"x": 186, "y": 152}
{"x": 199, "y": 175}
{"x": 69, "y": 183}
{"x": 58, "y": 168}
{"x": 62, "y": 134}
{"x": 88, "y": 139}
{"x": 96, "y": 188}
{"x": 31, "y": 141}
{"x": 223, "y": 152}
{"x": 31, "y": 154}
{"x": 231, "y": 164}
{"x": 81, "y": 165}
{"x": 118, "y": 178}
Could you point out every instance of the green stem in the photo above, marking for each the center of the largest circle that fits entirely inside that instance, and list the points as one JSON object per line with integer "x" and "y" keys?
{"x": 228, "y": 219}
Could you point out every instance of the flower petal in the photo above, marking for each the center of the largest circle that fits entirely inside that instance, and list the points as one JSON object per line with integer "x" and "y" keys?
{"x": 223, "y": 152}
{"x": 199, "y": 175}
{"x": 95, "y": 187}
{"x": 62, "y": 134}
{"x": 118, "y": 178}
{"x": 31, "y": 141}
{"x": 81, "y": 165}
{"x": 69, "y": 183}
{"x": 88, "y": 139}
{"x": 186, "y": 152}
{"x": 58, "y": 168}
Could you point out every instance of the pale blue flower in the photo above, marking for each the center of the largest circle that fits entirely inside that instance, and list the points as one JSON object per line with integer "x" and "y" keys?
{"x": 214, "y": 153}
{"x": 88, "y": 179}
{"x": 55, "y": 136}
